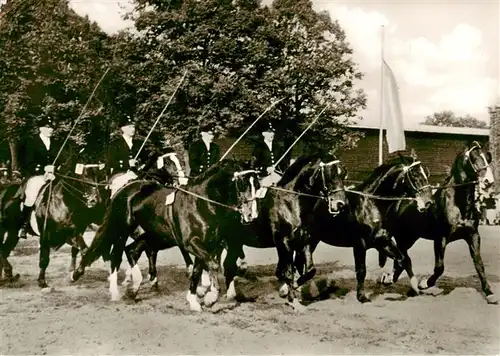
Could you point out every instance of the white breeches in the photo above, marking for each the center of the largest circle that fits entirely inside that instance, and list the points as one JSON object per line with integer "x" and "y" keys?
{"x": 120, "y": 180}
{"x": 33, "y": 187}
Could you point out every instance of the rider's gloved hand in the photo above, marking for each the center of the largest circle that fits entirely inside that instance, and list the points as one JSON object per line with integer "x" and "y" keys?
{"x": 49, "y": 169}
{"x": 132, "y": 162}
{"x": 270, "y": 169}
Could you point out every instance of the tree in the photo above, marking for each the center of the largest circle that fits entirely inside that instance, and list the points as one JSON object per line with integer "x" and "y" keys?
{"x": 448, "y": 118}
{"x": 50, "y": 60}
{"x": 240, "y": 57}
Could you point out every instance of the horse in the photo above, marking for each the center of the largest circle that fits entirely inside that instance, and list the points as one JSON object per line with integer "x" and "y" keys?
{"x": 65, "y": 208}
{"x": 455, "y": 215}
{"x": 190, "y": 221}
{"x": 360, "y": 224}
{"x": 280, "y": 217}
{"x": 10, "y": 218}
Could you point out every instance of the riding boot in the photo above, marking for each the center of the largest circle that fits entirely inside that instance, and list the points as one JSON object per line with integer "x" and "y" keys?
{"x": 26, "y": 214}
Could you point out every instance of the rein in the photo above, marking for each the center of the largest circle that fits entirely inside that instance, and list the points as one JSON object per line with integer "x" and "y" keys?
{"x": 82, "y": 180}
{"x": 207, "y": 199}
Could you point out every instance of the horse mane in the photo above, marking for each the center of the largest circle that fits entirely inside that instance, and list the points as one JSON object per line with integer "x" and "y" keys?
{"x": 216, "y": 171}
{"x": 381, "y": 170}
{"x": 294, "y": 170}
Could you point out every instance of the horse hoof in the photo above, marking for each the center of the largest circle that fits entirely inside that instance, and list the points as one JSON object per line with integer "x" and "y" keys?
{"x": 284, "y": 291}
{"x": 14, "y": 278}
{"x": 423, "y": 284}
{"x": 364, "y": 299}
{"x": 412, "y": 293}
{"x": 201, "y": 291}
{"x": 492, "y": 299}
{"x": 195, "y": 307}
{"x": 43, "y": 284}
{"x": 231, "y": 292}
{"x": 297, "y": 307}
{"x": 210, "y": 298}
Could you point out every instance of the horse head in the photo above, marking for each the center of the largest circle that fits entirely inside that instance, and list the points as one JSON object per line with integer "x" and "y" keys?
{"x": 165, "y": 168}
{"x": 91, "y": 180}
{"x": 327, "y": 180}
{"x": 473, "y": 164}
{"x": 247, "y": 183}
{"x": 403, "y": 176}
{"x": 233, "y": 184}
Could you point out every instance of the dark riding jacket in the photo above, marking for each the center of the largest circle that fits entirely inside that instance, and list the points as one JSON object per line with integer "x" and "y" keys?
{"x": 36, "y": 155}
{"x": 200, "y": 159}
{"x": 262, "y": 157}
{"x": 119, "y": 155}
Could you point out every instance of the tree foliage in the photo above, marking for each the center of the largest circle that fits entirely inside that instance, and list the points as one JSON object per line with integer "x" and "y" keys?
{"x": 240, "y": 57}
{"x": 448, "y": 118}
{"x": 495, "y": 142}
{"x": 50, "y": 61}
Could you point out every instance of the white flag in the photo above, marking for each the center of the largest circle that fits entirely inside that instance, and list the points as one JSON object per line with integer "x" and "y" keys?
{"x": 395, "y": 133}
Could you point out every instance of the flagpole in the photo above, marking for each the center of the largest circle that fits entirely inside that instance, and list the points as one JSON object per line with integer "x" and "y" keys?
{"x": 381, "y": 131}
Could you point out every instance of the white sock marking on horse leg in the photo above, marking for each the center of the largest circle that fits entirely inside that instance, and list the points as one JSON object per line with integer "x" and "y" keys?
{"x": 193, "y": 302}
{"x": 423, "y": 284}
{"x": 136, "y": 278}
{"x": 128, "y": 277}
{"x": 414, "y": 284}
{"x": 284, "y": 290}
{"x": 231, "y": 291}
{"x": 113, "y": 286}
{"x": 205, "y": 279}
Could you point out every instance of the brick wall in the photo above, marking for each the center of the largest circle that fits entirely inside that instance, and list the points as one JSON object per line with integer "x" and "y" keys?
{"x": 436, "y": 150}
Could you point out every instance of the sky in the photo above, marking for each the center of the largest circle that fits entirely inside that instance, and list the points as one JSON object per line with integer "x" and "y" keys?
{"x": 445, "y": 54}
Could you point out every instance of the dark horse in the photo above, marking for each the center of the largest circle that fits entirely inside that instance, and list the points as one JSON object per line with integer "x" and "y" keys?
{"x": 10, "y": 215}
{"x": 280, "y": 218}
{"x": 191, "y": 221}
{"x": 454, "y": 215}
{"x": 360, "y": 224}
{"x": 65, "y": 208}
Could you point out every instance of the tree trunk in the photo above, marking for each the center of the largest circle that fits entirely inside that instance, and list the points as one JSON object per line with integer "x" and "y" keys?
{"x": 495, "y": 142}
{"x": 13, "y": 154}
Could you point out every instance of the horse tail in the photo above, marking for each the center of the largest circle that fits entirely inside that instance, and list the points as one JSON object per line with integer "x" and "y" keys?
{"x": 109, "y": 233}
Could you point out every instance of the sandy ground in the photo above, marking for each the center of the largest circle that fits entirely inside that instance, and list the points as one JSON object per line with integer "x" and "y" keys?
{"x": 80, "y": 318}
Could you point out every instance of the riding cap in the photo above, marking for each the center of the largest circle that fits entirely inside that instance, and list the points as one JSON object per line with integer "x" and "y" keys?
{"x": 267, "y": 126}
{"x": 207, "y": 127}
{"x": 126, "y": 120}
{"x": 45, "y": 121}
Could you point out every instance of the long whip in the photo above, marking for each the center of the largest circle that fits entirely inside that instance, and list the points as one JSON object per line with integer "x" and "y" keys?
{"x": 249, "y": 127}
{"x": 159, "y": 116}
{"x": 80, "y": 116}
{"x": 298, "y": 138}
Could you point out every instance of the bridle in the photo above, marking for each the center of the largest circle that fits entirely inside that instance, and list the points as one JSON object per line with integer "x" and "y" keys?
{"x": 405, "y": 173}
{"x": 253, "y": 198}
{"x": 467, "y": 158}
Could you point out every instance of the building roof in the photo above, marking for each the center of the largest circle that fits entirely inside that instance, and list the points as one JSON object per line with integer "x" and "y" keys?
{"x": 436, "y": 129}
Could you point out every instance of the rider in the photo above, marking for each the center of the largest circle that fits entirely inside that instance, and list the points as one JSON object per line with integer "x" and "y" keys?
{"x": 121, "y": 155}
{"x": 203, "y": 153}
{"x": 266, "y": 153}
{"x": 39, "y": 154}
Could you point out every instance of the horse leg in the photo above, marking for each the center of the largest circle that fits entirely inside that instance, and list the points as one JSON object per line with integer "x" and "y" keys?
{"x": 116, "y": 260}
{"x": 43, "y": 262}
{"x": 439, "y": 249}
{"x": 230, "y": 272}
{"x": 133, "y": 253}
{"x": 187, "y": 260}
{"x": 310, "y": 269}
{"x": 191, "y": 298}
{"x": 360, "y": 266}
{"x": 152, "y": 255}
{"x": 474, "y": 243}
{"x": 401, "y": 262}
{"x": 5, "y": 250}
